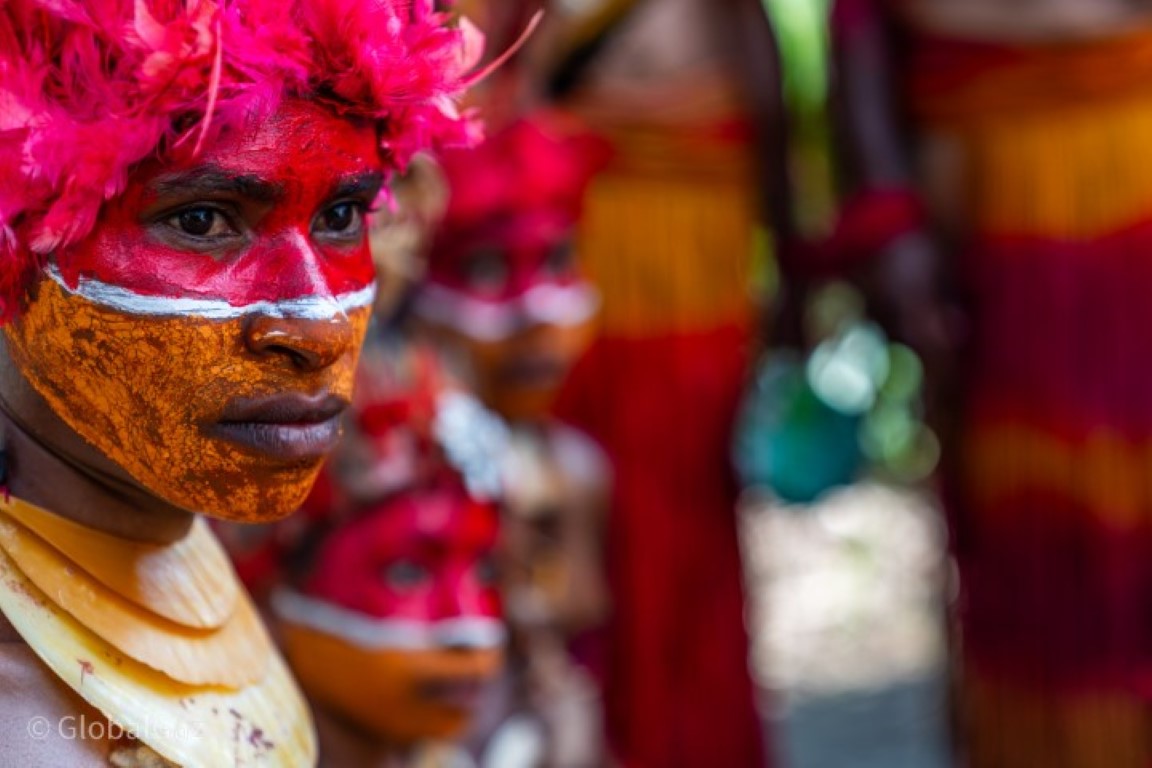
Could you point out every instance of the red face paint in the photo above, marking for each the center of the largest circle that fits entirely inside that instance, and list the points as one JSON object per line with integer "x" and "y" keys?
{"x": 425, "y": 556}
{"x": 400, "y": 627}
{"x": 502, "y": 259}
{"x": 265, "y": 215}
{"x": 507, "y": 259}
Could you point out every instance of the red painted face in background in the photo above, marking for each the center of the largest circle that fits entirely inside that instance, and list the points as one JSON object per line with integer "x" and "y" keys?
{"x": 399, "y": 629}
{"x": 204, "y": 337}
{"x": 513, "y": 301}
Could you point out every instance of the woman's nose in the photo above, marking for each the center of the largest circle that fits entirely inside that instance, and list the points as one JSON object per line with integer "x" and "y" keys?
{"x": 307, "y": 344}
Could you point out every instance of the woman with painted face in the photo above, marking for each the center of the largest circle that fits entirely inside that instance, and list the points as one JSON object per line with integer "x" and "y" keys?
{"x": 185, "y": 282}
{"x": 506, "y": 304}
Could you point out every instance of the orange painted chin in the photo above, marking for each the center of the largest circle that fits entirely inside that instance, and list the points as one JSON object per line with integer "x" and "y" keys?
{"x": 390, "y": 694}
{"x": 144, "y": 390}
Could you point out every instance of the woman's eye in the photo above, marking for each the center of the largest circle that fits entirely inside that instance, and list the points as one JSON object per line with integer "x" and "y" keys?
{"x": 201, "y": 222}
{"x": 487, "y": 271}
{"x": 560, "y": 260}
{"x": 343, "y": 219}
{"x": 404, "y": 575}
{"x": 487, "y": 572}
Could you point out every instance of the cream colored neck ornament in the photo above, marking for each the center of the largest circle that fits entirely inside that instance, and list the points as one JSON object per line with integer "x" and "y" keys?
{"x": 160, "y": 638}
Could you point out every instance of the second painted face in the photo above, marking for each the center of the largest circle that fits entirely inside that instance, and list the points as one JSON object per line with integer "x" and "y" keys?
{"x": 398, "y": 629}
{"x": 204, "y": 336}
{"x": 517, "y": 310}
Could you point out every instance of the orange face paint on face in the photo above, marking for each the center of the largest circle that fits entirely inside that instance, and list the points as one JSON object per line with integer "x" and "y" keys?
{"x": 204, "y": 337}
{"x": 402, "y": 697}
{"x": 520, "y": 377}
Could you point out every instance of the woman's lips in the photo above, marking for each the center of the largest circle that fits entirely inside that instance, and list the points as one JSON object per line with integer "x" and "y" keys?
{"x": 533, "y": 371}
{"x": 288, "y": 427}
{"x": 463, "y": 694}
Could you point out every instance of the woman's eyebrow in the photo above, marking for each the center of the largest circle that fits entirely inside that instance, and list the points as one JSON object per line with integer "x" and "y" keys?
{"x": 211, "y": 179}
{"x": 366, "y": 184}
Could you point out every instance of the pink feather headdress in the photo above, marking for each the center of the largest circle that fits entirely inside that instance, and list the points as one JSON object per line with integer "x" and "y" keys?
{"x": 90, "y": 88}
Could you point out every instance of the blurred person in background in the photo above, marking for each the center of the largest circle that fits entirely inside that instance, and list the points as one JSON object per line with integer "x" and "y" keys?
{"x": 395, "y": 633}
{"x": 1013, "y": 136}
{"x": 505, "y": 303}
{"x": 688, "y": 93}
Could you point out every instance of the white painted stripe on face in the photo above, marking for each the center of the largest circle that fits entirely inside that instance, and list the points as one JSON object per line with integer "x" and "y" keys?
{"x": 563, "y": 305}
{"x": 130, "y": 302}
{"x": 466, "y": 632}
